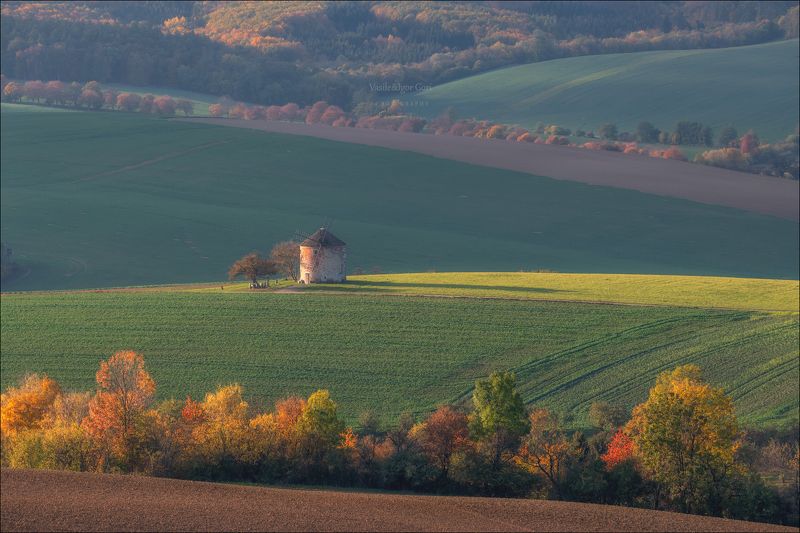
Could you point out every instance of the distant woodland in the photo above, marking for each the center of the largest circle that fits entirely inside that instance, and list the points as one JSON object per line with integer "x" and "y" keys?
{"x": 274, "y": 52}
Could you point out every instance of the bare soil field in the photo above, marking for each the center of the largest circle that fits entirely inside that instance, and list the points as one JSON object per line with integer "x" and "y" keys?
{"x": 40, "y": 500}
{"x": 699, "y": 183}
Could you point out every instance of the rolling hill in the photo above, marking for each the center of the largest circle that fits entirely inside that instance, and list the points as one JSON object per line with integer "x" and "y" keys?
{"x": 397, "y": 353}
{"x": 749, "y": 87}
{"x": 109, "y": 199}
{"x": 36, "y": 500}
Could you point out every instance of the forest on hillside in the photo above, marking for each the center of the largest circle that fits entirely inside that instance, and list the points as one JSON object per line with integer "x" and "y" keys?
{"x": 270, "y": 52}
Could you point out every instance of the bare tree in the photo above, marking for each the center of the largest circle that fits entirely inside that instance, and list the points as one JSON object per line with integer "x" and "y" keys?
{"x": 286, "y": 256}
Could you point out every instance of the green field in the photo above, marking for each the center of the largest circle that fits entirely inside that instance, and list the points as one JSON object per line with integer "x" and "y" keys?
{"x": 683, "y": 291}
{"x": 750, "y": 87}
{"x": 396, "y": 353}
{"x": 110, "y": 199}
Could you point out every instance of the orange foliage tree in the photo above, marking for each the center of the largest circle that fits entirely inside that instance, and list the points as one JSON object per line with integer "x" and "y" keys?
{"x": 546, "y": 449}
{"x": 443, "y": 434}
{"x": 26, "y": 406}
{"x": 124, "y": 391}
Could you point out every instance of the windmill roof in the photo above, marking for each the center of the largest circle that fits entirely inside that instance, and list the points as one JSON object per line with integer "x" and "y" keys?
{"x": 322, "y": 237}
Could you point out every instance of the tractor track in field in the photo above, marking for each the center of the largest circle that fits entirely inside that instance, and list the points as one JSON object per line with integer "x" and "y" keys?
{"x": 148, "y": 162}
{"x": 677, "y": 179}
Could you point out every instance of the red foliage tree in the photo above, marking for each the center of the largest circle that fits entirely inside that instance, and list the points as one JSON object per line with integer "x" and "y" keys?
{"x": 620, "y": 449}
{"x": 164, "y": 106}
{"x": 444, "y": 433}
{"x": 128, "y": 101}
{"x": 748, "y": 143}
{"x": 315, "y": 112}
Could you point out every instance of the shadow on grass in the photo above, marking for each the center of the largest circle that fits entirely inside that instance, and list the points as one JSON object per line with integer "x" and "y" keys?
{"x": 386, "y": 286}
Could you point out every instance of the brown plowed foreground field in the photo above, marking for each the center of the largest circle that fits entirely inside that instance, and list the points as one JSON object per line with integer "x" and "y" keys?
{"x": 40, "y": 500}
{"x": 699, "y": 183}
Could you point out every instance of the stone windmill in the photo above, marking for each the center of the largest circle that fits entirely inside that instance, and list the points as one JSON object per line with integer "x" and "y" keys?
{"x": 322, "y": 257}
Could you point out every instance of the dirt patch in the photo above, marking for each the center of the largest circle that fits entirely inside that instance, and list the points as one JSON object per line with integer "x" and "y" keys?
{"x": 40, "y": 500}
{"x": 677, "y": 179}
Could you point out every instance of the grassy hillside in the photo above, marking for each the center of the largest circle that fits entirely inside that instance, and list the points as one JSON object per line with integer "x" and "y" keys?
{"x": 748, "y": 87}
{"x": 393, "y": 354}
{"x": 684, "y": 291}
{"x": 108, "y": 199}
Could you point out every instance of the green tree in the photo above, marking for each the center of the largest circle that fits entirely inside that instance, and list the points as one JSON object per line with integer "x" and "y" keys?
{"x": 647, "y": 133}
{"x": 728, "y": 137}
{"x": 608, "y": 131}
{"x": 498, "y": 419}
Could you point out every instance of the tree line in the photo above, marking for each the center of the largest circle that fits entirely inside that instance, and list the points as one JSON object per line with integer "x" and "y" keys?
{"x": 681, "y": 449}
{"x": 91, "y": 96}
{"x": 331, "y": 51}
{"x": 745, "y": 153}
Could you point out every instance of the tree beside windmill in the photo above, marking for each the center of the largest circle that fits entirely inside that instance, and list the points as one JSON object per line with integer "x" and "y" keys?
{"x": 322, "y": 258}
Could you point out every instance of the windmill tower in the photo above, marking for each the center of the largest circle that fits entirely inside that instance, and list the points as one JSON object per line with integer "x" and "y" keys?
{"x": 322, "y": 257}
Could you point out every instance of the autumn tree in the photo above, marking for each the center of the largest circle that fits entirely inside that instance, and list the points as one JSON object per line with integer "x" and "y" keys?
{"x": 220, "y": 440}
{"x": 12, "y": 91}
{"x": 217, "y": 110}
{"x": 619, "y": 450}
{"x": 686, "y": 436}
{"x": 164, "y": 105}
{"x": 442, "y": 435}
{"x": 110, "y": 98}
{"x": 124, "y": 390}
{"x": 146, "y": 104}
{"x": 286, "y": 256}
{"x": 749, "y": 142}
{"x": 128, "y": 101}
{"x": 315, "y": 112}
{"x": 545, "y": 450}
{"x": 498, "y": 419}
{"x": 54, "y": 92}
{"x": 26, "y": 406}
{"x": 252, "y": 266}
{"x": 91, "y": 99}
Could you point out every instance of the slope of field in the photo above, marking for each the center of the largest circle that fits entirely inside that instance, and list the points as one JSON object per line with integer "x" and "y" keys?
{"x": 41, "y": 500}
{"x": 750, "y": 87}
{"x": 675, "y": 179}
{"x": 680, "y": 291}
{"x": 395, "y": 354}
{"x": 106, "y": 199}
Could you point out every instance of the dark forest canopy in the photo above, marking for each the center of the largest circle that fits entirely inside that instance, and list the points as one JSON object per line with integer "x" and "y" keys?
{"x": 268, "y": 52}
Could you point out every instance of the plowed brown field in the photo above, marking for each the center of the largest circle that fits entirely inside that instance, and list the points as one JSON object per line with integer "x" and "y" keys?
{"x": 677, "y": 179}
{"x": 40, "y": 500}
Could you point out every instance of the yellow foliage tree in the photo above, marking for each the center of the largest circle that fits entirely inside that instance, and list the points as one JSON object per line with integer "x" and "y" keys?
{"x": 545, "y": 450}
{"x": 223, "y": 436}
{"x": 686, "y": 436}
{"x": 25, "y": 407}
